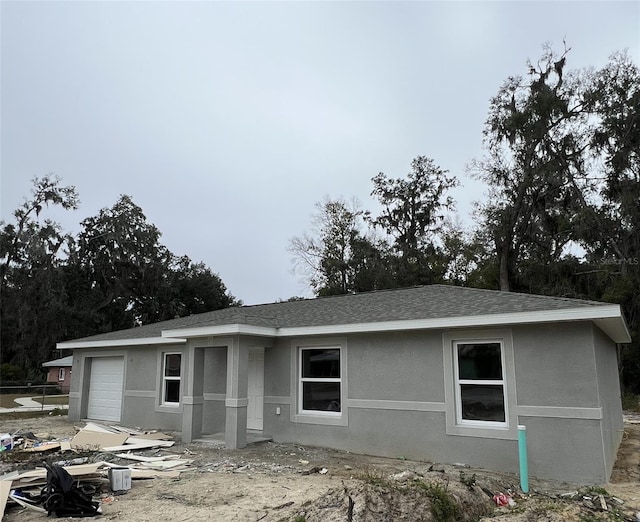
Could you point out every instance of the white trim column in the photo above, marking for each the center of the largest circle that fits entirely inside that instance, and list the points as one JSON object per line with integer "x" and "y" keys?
{"x": 192, "y": 394}
{"x": 236, "y": 402}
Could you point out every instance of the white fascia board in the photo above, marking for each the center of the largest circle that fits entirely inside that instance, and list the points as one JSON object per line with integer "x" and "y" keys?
{"x": 119, "y": 342}
{"x": 222, "y": 329}
{"x": 616, "y": 329}
{"x": 608, "y": 312}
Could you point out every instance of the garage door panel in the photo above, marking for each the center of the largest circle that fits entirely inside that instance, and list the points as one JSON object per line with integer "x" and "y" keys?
{"x": 105, "y": 388}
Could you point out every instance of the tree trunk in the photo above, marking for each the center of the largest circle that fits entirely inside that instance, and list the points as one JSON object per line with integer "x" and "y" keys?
{"x": 504, "y": 271}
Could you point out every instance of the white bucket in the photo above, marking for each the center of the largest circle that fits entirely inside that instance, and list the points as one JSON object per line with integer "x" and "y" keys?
{"x": 6, "y": 442}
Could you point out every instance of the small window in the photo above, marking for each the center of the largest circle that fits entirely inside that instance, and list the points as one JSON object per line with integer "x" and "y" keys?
{"x": 171, "y": 378}
{"x": 480, "y": 385}
{"x": 320, "y": 381}
{"x": 61, "y": 374}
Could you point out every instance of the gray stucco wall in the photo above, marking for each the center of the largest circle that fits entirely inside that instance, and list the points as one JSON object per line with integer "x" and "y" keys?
{"x": 140, "y": 395}
{"x": 276, "y": 369}
{"x": 609, "y": 395}
{"x": 396, "y": 367}
{"x": 401, "y": 377}
{"x": 215, "y": 383}
{"x": 565, "y": 391}
{"x": 74, "y": 389}
{"x": 566, "y": 449}
{"x": 555, "y": 365}
{"x": 568, "y": 373}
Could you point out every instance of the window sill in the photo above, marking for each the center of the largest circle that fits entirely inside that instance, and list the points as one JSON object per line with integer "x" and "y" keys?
{"x": 483, "y": 431}
{"x": 326, "y": 419}
{"x": 321, "y": 413}
{"x": 169, "y": 408}
{"x": 482, "y": 424}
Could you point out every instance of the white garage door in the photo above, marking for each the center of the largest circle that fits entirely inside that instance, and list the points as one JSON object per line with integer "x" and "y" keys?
{"x": 105, "y": 388}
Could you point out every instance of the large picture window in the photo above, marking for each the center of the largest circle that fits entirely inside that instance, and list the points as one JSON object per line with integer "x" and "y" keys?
{"x": 171, "y": 368}
{"x": 320, "y": 385}
{"x": 479, "y": 383}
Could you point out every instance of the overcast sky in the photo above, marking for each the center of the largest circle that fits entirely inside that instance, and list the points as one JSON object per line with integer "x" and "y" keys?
{"x": 227, "y": 121}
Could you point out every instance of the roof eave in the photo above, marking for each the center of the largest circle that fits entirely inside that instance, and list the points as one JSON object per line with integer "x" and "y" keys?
{"x": 615, "y": 328}
{"x": 114, "y": 343}
{"x": 222, "y": 329}
{"x": 608, "y": 318}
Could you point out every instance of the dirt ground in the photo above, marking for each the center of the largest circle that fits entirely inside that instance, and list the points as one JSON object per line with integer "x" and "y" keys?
{"x": 283, "y": 482}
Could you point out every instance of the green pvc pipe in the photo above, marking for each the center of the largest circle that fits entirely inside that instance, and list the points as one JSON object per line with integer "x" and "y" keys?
{"x": 522, "y": 453}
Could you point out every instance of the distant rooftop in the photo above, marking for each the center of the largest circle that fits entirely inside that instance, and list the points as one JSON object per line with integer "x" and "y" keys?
{"x": 64, "y": 361}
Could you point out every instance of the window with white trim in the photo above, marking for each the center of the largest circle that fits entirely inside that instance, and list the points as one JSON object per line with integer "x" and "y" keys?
{"x": 320, "y": 381}
{"x": 480, "y": 386}
{"x": 61, "y": 374}
{"x": 171, "y": 377}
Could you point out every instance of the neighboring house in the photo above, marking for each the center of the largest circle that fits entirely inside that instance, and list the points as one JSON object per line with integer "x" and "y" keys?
{"x": 436, "y": 373}
{"x": 60, "y": 372}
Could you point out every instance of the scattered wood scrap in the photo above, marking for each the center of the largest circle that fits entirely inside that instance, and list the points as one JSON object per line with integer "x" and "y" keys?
{"x": 114, "y": 438}
{"x": 18, "y": 486}
{"x": 5, "y": 489}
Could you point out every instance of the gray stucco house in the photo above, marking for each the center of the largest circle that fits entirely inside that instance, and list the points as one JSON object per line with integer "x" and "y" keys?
{"x": 436, "y": 373}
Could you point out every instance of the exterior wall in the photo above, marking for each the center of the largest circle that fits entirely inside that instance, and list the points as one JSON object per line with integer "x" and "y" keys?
{"x": 397, "y": 402}
{"x": 561, "y": 382}
{"x": 558, "y": 401}
{"x": 609, "y": 394}
{"x": 141, "y": 395}
{"x": 215, "y": 383}
{"x": 555, "y": 366}
{"x": 53, "y": 377}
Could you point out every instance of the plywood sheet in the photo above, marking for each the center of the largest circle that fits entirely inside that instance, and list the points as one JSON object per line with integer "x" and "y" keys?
{"x": 96, "y": 439}
{"x": 5, "y": 489}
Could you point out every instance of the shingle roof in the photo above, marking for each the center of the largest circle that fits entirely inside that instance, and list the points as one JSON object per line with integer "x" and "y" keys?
{"x": 420, "y": 302}
{"x": 65, "y": 361}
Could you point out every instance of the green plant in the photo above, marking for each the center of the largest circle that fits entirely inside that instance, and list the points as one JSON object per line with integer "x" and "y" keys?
{"x": 631, "y": 401}
{"x": 375, "y": 478}
{"x": 593, "y": 490}
{"x": 470, "y": 482}
{"x": 609, "y": 516}
{"x": 443, "y": 505}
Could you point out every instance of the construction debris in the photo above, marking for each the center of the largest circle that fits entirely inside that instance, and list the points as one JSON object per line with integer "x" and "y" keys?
{"x": 503, "y": 500}
{"x": 6, "y": 442}
{"x": 66, "y": 487}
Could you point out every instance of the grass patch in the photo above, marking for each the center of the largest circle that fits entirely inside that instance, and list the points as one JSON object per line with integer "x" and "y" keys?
{"x": 593, "y": 490}
{"x": 7, "y": 400}
{"x": 56, "y": 400}
{"x": 443, "y": 505}
{"x": 376, "y": 478}
{"x": 607, "y": 516}
{"x": 26, "y": 414}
